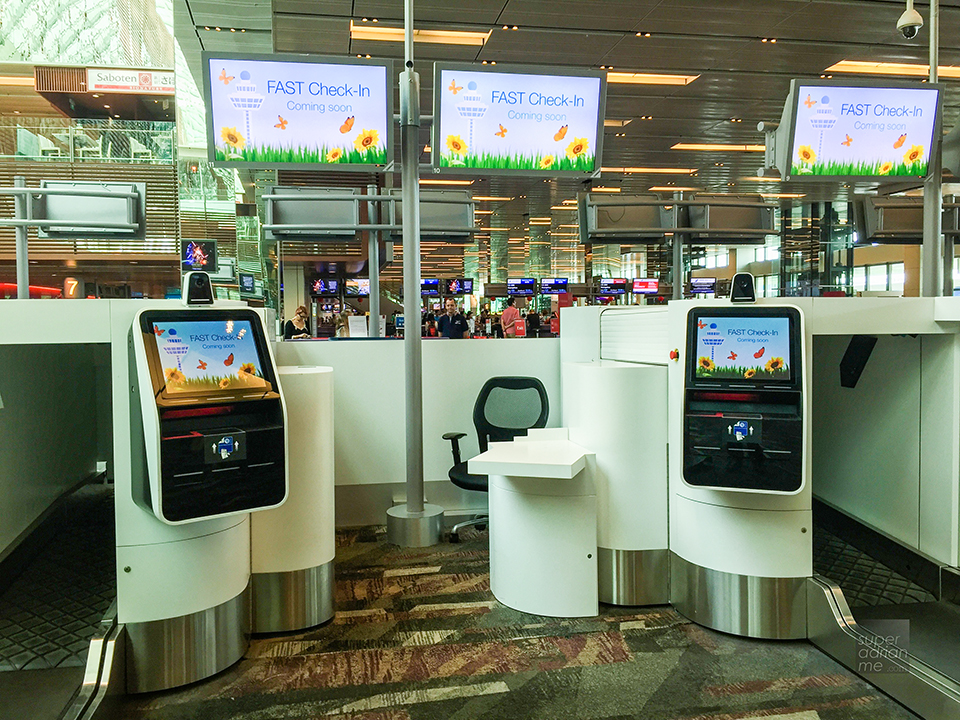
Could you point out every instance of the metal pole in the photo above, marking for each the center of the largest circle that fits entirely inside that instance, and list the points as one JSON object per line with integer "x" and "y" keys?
{"x": 414, "y": 524}
{"x": 23, "y": 260}
{"x": 677, "y": 262}
{"x": 932, "y": 273}
{"x": 373, "y": 263}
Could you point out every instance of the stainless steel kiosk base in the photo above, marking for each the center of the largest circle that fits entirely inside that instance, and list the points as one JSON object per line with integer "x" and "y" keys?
{"x": 414, "y": 529}
{"x": 757, "y": 607}
{"x": 294, "y": 600}
{"x": 633, "y": 577}
{"x": 163, "y": 654}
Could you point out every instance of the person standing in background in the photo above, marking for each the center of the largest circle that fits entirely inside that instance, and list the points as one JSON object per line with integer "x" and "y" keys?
{"x": 509, "y": 318}
{"x": 452, "y": 323}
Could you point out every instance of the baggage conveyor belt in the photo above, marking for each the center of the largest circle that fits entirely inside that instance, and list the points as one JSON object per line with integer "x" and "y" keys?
{"x": 882, "y": 625}
{"x": 62, "y": 587}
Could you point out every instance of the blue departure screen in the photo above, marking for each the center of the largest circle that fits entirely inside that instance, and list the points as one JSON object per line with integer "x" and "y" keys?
{"x": 743, "y": 348}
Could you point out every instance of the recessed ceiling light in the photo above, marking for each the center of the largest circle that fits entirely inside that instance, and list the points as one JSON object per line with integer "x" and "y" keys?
{"x": 643, "y": 34}
{"x": 672, "y": 188}
{"x": 107, "y": 106}
{"x": 888, "y": 68}
{"x": 718, "y": 147}
{"x": 437, "y": 37}
{"x": 639, "y": 78}
{"x": 431, "y": 181}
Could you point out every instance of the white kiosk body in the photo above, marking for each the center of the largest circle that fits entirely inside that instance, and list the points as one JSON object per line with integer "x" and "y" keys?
{"x": 740, "y": 501}
{"x": 206, "y": 447}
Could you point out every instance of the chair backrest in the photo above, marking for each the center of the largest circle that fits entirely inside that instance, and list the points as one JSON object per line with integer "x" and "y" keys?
{"x": 507, "y": 407}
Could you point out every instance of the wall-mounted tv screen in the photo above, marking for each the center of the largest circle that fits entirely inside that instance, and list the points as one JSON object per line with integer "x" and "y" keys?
{"x": 526, "y": 120}
{"x": 429, "y": 287}
{"x": 248, "y": 282}
{"x": 646, "y": 286}
{"x": 553, "y": 286}
{"x": 269, "y": 111}
{"x": 458, "y": 286}
{"x": 751, "y": 347}
{"x": 844, "y": 129}
{"x": 612, "y": 286}
{"x": 521, "y": 287}
{"x": 199, "y": 255}
{"x": 325, "y": 287}
{"x": 356, "y": 287}
{"x": 703, "y": 285}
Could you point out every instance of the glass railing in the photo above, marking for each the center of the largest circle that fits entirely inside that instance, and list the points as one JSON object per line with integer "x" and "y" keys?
{"x": 77, "y": 140}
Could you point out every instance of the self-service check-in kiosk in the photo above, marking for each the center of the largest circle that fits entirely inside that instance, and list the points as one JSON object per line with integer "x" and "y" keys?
{"x": 214, "y": 433}
{"x": 743, "y": 410}
{"x": 740, "y": 503}
{"x": 207, "y": 446}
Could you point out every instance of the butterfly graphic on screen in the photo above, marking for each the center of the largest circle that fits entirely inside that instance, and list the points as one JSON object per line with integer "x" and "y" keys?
{"x": 502, "y": 132}
{"x": 561, "y": 133}
{"x": 282, "y": 124}
{"x": 224, "y": 77}
{"x": 157, "y": 331}
{"x": 454, "y": 88}
{"x": 701, "y": 324}
{"x": 202, "y": 365}
{"x": 347, "y": 125}
{"x": 809, "y": 102}
{"x": 759, "y": 353}
{"x": 229, "y": 360}
{"x": 900, "y": 141}
{"x": 848, "y": 141}
{"x": 733, "y": 356}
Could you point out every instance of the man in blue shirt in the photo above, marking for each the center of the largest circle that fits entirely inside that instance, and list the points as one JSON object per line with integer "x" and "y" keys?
{"x": 453, "y": 324}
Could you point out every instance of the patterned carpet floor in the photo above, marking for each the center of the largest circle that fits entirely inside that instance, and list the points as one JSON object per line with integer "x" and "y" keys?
{"x": 418, "y": 636}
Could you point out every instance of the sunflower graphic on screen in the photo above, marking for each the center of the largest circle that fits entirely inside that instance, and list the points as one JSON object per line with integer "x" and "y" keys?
{"x": 366, "y": 140}
{"x": 232, "y": 138}
{"x": 334, "y": 155}
{"x": 705, "y": 363}
{"x": 456, "y": 145}
{"x": 913, "y": 154}
{"x": 547, "y": 162}
{"x": 806, "y": 154}
{"x": 577, "y": 148}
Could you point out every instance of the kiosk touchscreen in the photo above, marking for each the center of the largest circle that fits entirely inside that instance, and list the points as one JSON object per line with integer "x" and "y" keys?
{"x": 743, "y": 409}
{"x": 213, "y": 417}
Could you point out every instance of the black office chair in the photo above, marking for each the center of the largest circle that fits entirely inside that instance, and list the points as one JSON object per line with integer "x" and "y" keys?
{"x": 506, "y": 408}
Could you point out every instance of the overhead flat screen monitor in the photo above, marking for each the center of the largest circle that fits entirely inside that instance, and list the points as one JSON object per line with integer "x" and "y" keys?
{"x": 842, "y": 129}
{"x": 532, "y": 121}
{"x": 613, "y": 286}
{"x": 521, "y": 287}
{"x": 646, "y": 286}
{"x": 458, "y": 286}
{"x": 356, "y": 287}
{"x": 553, "y": 286}
{"x": 248, "y": 282}
{"x": 219, "y": 359}
{"x": 325, "y": 287}
{"x": 199, "y": 255}
{"x": 429, "y": 287}
{"x": 756, "y": 347}
{"x": 703, "y": 285}
{"x": 270, "y": 111}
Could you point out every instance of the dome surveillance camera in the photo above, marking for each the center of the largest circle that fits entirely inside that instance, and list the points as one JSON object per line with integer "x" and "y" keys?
{"x": 910, "y": 23}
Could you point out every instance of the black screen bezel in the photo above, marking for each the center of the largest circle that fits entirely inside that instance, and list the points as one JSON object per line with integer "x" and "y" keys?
{"x": 554, "y": 289}
{"x": 523, "y": 292}
{"x": 780, "y": 311}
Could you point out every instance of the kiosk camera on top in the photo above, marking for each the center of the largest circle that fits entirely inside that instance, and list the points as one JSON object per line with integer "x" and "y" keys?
{"x": 214, "y": 430}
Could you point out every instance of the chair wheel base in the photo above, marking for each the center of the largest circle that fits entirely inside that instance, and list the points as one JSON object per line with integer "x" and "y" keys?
{"x": 454, "y": 538}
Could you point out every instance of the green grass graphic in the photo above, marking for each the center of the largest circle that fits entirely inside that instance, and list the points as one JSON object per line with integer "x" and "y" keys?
{"x": 736, "y": 372}
{"x": 212, "y": 382}
{"x": 584, "y": 163}
{"x": 268, "y": 153}
{"x": 918, "y": 168}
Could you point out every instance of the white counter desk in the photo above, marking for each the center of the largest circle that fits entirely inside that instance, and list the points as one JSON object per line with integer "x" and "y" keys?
{"x": 543, "y": 524}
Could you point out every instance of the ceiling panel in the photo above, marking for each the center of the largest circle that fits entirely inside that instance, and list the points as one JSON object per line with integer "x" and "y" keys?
{"x": 483, "y": 12}
{"x": 248, "y": 42}
{"x": 311, "y": 34}
{"x": 603, "y": 14}
{"x": 343, "y": 8}
{"x": 548, "y": 47}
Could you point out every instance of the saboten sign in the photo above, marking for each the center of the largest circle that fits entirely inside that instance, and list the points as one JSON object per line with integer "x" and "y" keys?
{"x": 130, "y": 81}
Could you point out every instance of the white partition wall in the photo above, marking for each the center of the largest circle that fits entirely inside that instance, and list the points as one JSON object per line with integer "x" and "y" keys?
{"x": 368, "y": 394}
